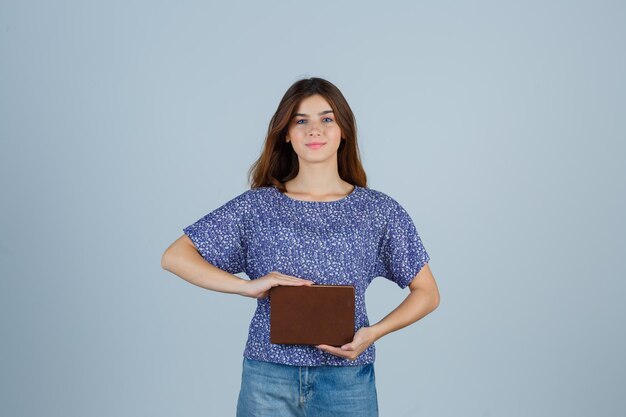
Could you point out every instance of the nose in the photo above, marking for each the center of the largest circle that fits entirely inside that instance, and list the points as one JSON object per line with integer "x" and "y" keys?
{"x": 314, "y": 129}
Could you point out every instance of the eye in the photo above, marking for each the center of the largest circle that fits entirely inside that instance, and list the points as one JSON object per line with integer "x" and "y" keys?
{"x": 304, "y": 120}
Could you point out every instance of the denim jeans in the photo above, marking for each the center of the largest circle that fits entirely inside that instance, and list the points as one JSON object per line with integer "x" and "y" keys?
{"x": 276, "y": 390}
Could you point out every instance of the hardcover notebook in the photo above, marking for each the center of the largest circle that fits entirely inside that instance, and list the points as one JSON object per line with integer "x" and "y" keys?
{"x": 312, "y": 315}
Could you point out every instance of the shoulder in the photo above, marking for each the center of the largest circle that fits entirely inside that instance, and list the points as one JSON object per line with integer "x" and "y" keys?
{"x": 237, "y": 205}
{"x": 251, "y": 195}
{"x": 258, "y": 195}
{"x": 251, "y": 200}
{"x": 260, "y": 191}
{"x": 380, "y": 201}
{"x": 388, "y": 210}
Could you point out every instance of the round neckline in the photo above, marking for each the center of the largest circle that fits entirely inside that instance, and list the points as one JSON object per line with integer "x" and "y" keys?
{"x": 295, "y": 200}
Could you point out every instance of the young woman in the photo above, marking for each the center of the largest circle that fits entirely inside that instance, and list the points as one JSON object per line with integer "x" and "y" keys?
{"x": 309, "y": 218}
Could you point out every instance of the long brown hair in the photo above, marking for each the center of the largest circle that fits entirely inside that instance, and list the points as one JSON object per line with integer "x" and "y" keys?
{"x": 278, "y": 162}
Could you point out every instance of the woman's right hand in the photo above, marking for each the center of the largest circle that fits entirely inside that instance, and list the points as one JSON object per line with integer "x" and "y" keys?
{"x": 260, "y": 287}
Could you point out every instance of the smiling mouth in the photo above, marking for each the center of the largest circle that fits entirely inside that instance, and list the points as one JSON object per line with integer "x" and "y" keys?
{"x": 315, "y": 145}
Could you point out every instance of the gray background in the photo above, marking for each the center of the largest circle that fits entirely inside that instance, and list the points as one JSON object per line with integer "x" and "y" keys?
{"x": 499, "y": 126}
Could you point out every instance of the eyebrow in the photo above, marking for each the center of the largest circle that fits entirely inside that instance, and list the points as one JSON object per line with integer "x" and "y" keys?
{"x": 306, "y": 115}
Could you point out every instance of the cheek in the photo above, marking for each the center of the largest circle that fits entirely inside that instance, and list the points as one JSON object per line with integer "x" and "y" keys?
{"x": 297, "y": 130}
{"x": 334, "y": 131}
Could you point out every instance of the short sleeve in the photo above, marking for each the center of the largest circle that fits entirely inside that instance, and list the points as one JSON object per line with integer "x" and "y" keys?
{"x": 218, "y": 235}
{"x": 401, "y": 253}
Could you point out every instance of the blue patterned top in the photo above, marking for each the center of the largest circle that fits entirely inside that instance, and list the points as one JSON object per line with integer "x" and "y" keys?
{"x": 349, "y": 241}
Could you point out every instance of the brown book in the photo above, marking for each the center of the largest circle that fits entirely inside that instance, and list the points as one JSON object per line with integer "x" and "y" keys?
{"x": 312, "y": 315}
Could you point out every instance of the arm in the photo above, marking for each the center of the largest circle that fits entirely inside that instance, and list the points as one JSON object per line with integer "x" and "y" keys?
{"x": 183, "y": 259}
{"x": 423, "y": 299}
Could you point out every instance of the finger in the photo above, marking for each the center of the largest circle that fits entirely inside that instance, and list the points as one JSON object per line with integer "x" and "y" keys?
{"x": 331, "y": 349}
{"x": 335, "y": 351}
{"x": 281, "y": 275}
{"x": 293, "y": 283}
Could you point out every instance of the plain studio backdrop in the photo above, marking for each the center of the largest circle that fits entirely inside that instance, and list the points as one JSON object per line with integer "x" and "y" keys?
{"x": 498, "y": 125}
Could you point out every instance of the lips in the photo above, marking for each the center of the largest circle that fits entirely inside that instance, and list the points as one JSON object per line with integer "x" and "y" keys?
{"x": 315, "y": 145}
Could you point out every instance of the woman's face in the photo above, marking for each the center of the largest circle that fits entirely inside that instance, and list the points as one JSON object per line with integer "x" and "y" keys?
{"x": 314, "y": 123}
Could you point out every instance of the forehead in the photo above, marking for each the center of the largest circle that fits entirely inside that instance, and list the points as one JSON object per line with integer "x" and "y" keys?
{"x": 313, "y": 105}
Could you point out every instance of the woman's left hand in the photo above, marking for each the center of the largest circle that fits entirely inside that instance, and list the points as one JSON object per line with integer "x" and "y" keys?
{"x": 361, "y": 341}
